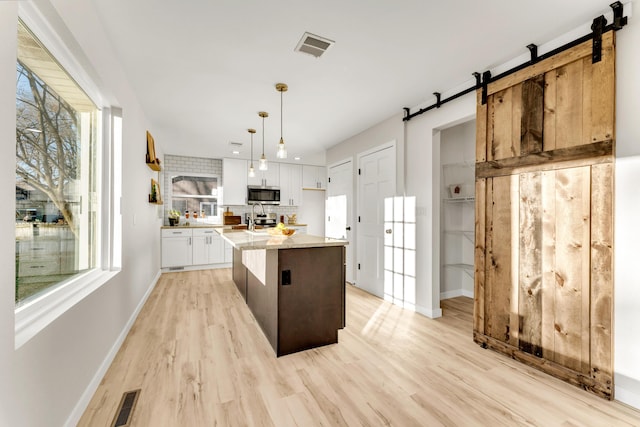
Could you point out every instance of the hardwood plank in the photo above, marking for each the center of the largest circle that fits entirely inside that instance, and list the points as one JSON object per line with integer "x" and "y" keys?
{"x": 549, "y": 115}
{"x": 587, "y": 96}
{"x": 514, "y": 291}
{"x": 501, "y": 142}
{"x": 601, "y": 306}
{"x": 489, "y": 128}
{"x": 530, "y": 264}
{"x": 531, "y": 115}
{"x": 602, "y": 108}
{"x": 571, "y": 264}
{"x": 569, "y": 105}
{"x": 562, "y": 158}
{"x": 407, "y": 370}
{"x": 480, "y": 266}
{"x": 481, "y": 128}
{"x": 499, "y": 283}
{"x": 548, "y": 300}
{"x": 516, "y": 120}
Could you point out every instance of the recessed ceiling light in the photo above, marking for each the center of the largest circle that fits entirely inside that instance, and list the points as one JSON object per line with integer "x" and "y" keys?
{"x": 235, "y": 152}
{"x": 296, "y": 158}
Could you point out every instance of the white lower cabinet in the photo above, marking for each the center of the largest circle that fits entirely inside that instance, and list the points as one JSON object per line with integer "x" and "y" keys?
{"x": 208, "y": 247}
{"x": 193, "y": 247}
{"x": 177, "y": 247}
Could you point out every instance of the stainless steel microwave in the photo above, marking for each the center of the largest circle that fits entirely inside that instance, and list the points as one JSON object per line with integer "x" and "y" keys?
{"x": 264, "y": 195}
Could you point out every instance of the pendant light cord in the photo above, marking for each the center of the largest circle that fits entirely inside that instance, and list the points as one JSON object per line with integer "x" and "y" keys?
{"x": 280, "y": 115}
{"x": 263, "y": 136}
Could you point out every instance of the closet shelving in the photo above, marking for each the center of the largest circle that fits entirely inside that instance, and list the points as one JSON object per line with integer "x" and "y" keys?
{"x": 458, "y": 209}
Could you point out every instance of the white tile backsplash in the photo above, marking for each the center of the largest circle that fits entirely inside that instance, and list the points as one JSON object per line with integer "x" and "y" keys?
{"x": 175, "y": 164}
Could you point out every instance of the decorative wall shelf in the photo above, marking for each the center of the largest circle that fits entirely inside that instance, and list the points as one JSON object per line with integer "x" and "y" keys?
{"x": 459, "y": 199}
{"x": 152, "y": 161}
{"x": 155, "y": 166}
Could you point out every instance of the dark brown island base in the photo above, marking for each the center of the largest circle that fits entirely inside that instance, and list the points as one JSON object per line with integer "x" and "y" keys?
{"x": 294, "y": 286}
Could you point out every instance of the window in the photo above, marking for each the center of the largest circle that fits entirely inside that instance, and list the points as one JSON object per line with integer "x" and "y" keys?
{"x": 55, "y": 173}
{"x": 67, "y": 175}
{"x": 197, "y": 194}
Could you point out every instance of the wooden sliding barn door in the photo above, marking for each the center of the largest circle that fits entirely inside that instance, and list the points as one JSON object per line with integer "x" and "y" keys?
{"x": 544, "y": 216}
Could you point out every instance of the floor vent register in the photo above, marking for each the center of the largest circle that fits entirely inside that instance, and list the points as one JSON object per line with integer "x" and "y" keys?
{"x": 125, "y": 409}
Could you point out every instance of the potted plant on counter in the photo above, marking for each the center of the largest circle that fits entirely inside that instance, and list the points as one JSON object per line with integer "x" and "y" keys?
{"x": 174, "y": 217}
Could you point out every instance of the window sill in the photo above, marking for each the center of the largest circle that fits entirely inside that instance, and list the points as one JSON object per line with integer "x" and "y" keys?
{"x": 36, "y": 315}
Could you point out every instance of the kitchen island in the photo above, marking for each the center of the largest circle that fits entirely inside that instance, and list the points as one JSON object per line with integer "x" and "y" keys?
{"x": 294, "y": 286}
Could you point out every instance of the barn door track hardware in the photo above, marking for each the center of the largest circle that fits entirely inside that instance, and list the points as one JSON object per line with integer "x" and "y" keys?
{"x": 598, "y": 28}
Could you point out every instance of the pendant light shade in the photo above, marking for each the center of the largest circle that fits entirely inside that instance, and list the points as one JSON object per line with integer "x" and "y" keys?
{"x": 262, "y": 163}
{"x": 252, "y": 172}
{"x": 282, "y": 151}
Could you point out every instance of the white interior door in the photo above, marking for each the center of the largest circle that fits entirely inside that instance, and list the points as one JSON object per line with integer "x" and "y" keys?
{"x": 376, "y": 181}
{"x": 339, "y": 217}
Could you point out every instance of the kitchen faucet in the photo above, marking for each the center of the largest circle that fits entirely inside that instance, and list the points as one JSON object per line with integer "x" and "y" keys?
{"x": 252, "y": 221}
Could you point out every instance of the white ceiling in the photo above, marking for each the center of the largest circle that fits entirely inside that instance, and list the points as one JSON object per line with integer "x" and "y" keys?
{"x": 202, "y": 69}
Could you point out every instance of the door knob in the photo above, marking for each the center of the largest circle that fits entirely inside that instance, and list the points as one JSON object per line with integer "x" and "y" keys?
{"x": 388, "y": 231}
{"x": 348, "y": 228}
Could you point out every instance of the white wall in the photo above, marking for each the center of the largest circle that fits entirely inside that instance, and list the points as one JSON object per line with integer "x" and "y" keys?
{"x": 423, "y": 181}
{"x": 391, "y": 129}
{"x": 45, "y": 379}
{"x": 627, "y": 215}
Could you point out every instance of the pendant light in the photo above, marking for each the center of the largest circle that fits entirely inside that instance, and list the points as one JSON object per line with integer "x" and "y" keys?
{"x": 262, "y": 164}
{"x": 252, "y": 172}
{"x": 282, "y": 151}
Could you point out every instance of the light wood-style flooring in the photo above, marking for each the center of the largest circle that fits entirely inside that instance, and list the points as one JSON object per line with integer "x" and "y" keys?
{"x": 201, "y": 360}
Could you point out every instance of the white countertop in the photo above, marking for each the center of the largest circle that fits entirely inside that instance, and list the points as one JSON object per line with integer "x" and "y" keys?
{"x": 243, "y": 240}
{"x": 195, "y": 225}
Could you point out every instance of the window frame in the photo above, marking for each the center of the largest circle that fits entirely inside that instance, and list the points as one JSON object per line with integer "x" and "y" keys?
{"x": 215, "y": 219}
{"x": 36, "y": 314}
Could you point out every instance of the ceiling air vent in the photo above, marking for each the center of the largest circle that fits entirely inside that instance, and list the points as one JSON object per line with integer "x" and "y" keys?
{"x": 313, "y": 45}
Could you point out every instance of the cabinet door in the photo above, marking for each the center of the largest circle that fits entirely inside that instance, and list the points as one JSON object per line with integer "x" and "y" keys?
{"x": 290, "y": 184}
{"x": 272, "y": 175}
{"x": 234, "y": 181}
{"x": 228, "y": 252}
{"x": 268, "y": 178}
{"x": 321, "y": 177}
{"x": 200, "y": 250}
{"x": 176, "y": 251}
{"x": 314, "y": 177}
{"x": 258, "y": 179}
{"x": 216, "y": 249}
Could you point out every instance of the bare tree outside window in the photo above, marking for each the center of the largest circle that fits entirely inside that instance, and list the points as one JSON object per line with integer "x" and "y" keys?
{"x": 47, "y": 142}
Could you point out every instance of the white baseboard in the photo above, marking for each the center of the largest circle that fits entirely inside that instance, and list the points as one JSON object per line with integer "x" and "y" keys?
{"x": 195, "y": 267}
{"x": 432, "y": 314}
{"x": 456, "y": 293}
{"x": 82, "y": 404}
{"x": 627, "y": 390}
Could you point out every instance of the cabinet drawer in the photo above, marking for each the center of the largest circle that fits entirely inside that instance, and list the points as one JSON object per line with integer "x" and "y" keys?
{"x": 38, "y": 268}
{"x": 181, "y": 232}
{"x": 38, "y": 248}
{"x": 197, "y": 232}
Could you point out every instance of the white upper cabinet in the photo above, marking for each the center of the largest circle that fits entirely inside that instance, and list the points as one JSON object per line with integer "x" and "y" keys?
{"x": 268, "y": 178}
{"x": 290, "y": 184}
{"x": 234, "y": 181}
{"x": 314, "y": 177}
